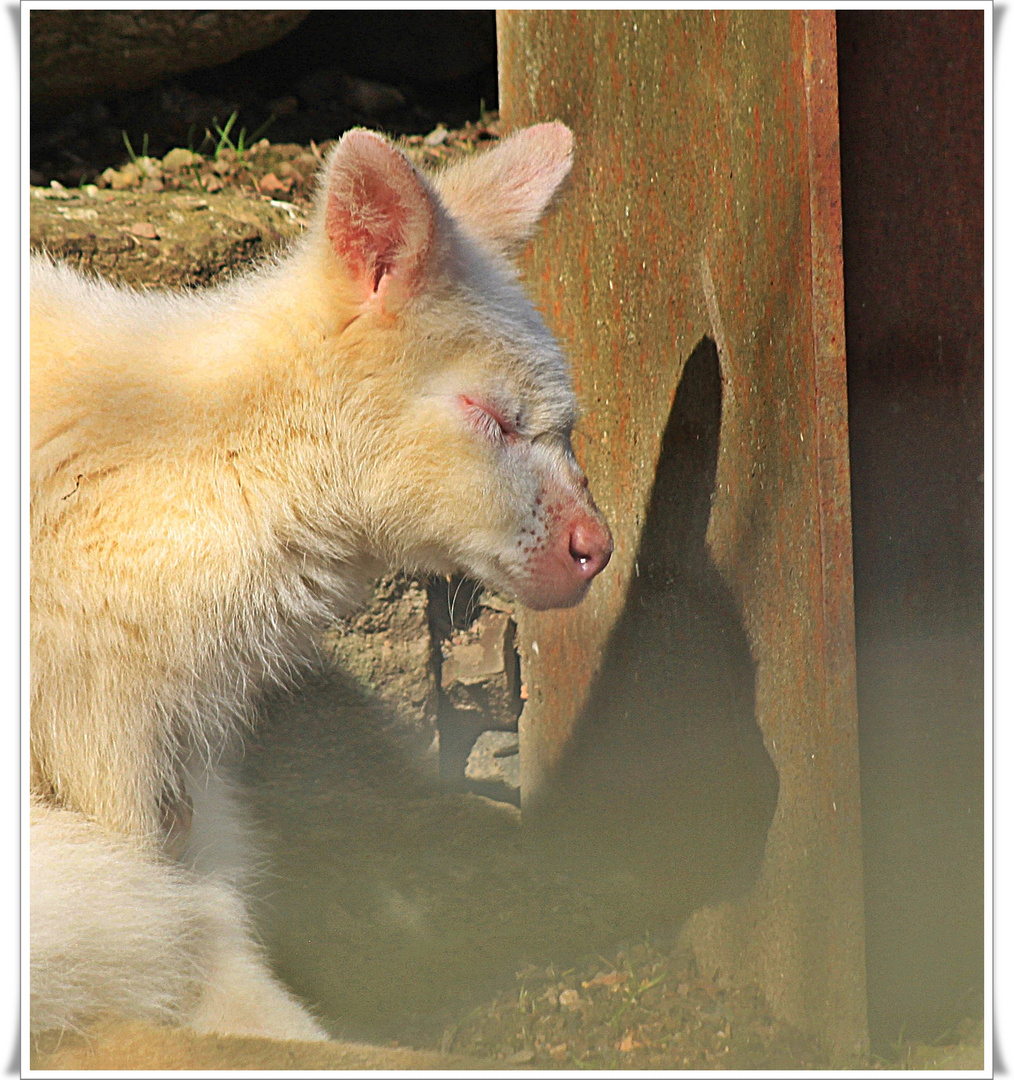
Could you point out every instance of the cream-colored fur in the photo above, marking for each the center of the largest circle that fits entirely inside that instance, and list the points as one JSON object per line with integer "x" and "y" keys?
{"x": 215, "y": 476}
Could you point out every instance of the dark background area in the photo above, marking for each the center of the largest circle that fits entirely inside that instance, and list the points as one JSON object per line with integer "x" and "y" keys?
{"x": 403, "y": 72}
{"x": 911, "y": 116}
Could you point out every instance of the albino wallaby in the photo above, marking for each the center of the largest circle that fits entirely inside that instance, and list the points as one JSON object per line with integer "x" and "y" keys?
{"x": 215, "y": 476}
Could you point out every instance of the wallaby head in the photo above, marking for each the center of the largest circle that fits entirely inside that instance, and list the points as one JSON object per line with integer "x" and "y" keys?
{"x": 464, "y": 403}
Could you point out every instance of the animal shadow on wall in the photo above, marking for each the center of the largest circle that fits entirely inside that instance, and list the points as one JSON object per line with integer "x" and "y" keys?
{"x": 667, "y": 791}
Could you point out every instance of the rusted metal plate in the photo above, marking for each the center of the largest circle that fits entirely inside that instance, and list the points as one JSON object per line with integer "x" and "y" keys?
{"x": 705, "y": 205}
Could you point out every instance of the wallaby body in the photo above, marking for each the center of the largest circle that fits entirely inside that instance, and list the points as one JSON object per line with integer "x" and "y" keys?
{"x": 215, "y": 476}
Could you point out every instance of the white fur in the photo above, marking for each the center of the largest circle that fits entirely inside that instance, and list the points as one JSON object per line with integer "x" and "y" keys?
{"x": 215, "y": 476}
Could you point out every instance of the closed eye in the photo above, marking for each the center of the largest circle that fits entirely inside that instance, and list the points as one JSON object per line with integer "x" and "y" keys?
{"x": 490, "y": 420}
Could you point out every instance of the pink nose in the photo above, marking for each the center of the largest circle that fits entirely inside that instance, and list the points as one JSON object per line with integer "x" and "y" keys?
{"x": 591, "y": 545}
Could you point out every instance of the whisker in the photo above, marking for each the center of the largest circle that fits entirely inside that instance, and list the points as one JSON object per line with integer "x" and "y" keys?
{"x": 454, "y": 600}
{"x": 473, "y": 600}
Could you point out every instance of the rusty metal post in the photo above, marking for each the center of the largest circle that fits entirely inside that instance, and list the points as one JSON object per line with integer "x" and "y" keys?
{"x": 705, "y": 204}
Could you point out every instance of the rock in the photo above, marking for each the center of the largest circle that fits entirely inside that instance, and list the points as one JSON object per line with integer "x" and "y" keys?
{"x": 570, "y": 999}
{"x": 480, "y": 676}
{"x": 145, "y": 229}
{"x": 481, "y": 654}
{"x": 269, "y": 184}
{"x": 150, "y": 168}
{"x": 178, "y": 159}
{"x": 480, "y": 673}
{"x": 495, "y": 758}
{"x": 121, "y": 179}
{"x": 385, "y": 651}
{"x": 81, "y": 53}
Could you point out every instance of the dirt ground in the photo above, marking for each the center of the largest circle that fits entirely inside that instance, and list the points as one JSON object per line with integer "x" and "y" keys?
{"x": 410, "y": 915}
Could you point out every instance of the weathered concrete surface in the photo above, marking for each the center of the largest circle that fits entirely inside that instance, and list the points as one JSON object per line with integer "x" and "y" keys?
{"x": 704, "y": 204}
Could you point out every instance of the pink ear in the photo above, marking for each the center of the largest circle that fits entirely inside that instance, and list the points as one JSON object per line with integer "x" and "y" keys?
{"x": 379, "y": 217}
{"x": 499, "y": 196}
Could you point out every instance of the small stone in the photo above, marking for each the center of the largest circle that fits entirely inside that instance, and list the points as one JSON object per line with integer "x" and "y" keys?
{"x": 613, "y": 979}
{"x": 495, "y": 758}
{"x": 570, "y": 999}
{"x": 436, "y": 137}
{"x": 150, "y": 168}
{"x": 481, "y": 659}
{"x": 269, "y": 184}
{"x": 122, "y": 179}
{"x": 179, "y": 158}
{"x": 85, "y": 213}
{"x": 144, "y": 229}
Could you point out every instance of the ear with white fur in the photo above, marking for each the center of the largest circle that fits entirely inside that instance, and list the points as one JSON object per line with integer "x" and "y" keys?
{"x": 500, "y": 195}
{"x": 379, "y": 218}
